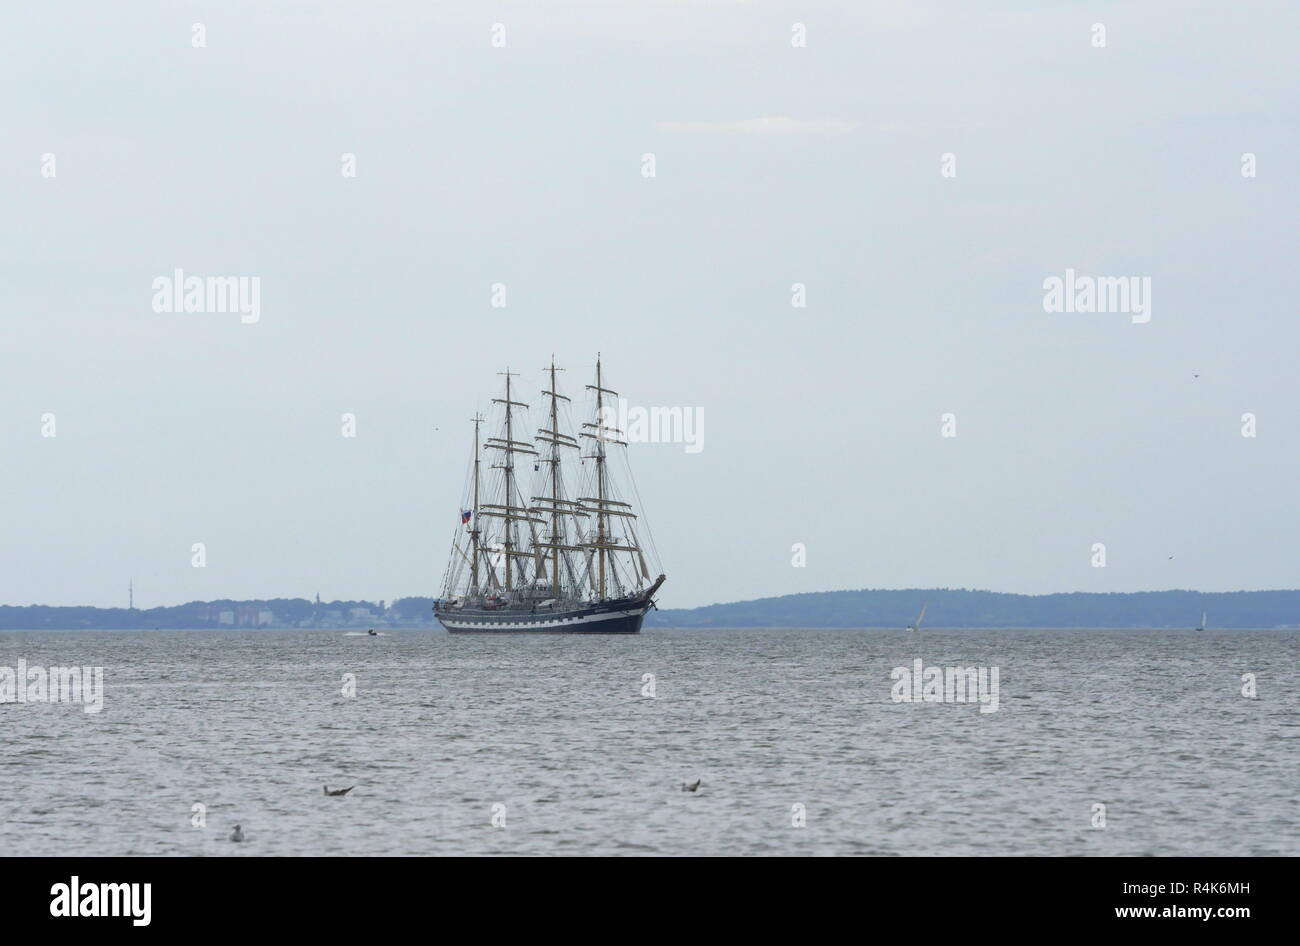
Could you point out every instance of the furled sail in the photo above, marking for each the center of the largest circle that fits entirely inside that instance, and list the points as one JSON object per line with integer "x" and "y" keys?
{"x": 569, "y": 539}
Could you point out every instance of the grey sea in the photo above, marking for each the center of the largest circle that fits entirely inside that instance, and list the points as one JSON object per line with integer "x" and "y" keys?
{"x": 551, "y": 745}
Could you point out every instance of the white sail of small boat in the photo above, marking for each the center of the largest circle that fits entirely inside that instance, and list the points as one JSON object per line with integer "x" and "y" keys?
{"x": 1202, "y": 625}
{"x": 916, "y": 625}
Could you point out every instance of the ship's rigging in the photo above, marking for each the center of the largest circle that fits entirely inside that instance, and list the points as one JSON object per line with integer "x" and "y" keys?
{"x": 568, "y": 533}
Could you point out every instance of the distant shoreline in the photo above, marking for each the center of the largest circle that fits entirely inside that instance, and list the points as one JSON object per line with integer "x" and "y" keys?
{"x": 959, "y": 608}
{"x": 947, "y": 608}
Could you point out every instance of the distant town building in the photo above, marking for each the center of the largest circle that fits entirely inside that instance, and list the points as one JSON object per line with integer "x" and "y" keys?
{"x": 226, "y": 617}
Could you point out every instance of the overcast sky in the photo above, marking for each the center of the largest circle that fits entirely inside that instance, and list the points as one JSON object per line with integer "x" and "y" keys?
{"x": 775, "y": 164}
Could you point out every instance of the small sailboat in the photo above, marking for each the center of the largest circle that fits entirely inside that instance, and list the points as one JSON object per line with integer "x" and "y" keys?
{"x": 916, "y": 625}
{"x": 1201, "y": 626}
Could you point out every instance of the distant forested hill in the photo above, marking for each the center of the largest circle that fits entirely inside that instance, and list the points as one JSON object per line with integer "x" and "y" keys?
{"x": 947, "y": 607}
{"x": 959, "y": 607}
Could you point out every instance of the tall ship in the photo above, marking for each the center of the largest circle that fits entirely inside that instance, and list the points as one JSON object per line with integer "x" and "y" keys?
{"x": 552, "y": 543}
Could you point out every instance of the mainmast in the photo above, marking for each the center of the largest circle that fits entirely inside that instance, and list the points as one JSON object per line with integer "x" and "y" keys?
{"x": 555, "y": 506}
{"x": 474, "y": 532}
{"x": 555, "y": 484}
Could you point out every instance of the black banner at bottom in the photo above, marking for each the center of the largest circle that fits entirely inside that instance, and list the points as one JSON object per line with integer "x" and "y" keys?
{"x": 332, "y": 896}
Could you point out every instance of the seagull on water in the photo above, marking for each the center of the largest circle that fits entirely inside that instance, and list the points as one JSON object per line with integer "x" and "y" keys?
{"x": 338, "y": 791}
{"x": 691, "y": 787}
{"x": 237, "y": 834}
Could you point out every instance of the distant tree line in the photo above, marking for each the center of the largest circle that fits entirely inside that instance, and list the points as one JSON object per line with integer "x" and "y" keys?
{"x": 286, "y": 612}
{"x": 960, "y": 607}
{"x": 945, "y": 607}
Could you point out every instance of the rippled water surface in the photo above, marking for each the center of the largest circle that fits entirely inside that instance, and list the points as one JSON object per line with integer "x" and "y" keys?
{"x": 250, "y": 724}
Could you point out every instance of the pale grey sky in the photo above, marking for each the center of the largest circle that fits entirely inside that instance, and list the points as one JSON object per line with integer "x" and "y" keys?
{"x": 774, "y": 165}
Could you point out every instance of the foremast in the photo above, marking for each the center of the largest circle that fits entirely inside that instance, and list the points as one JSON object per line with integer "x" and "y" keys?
{"x": 607, "y": 510}
{"x": 558, "y": 506}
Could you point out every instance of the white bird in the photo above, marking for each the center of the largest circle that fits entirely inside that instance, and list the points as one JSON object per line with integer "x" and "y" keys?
{"x": 237, "y": 834}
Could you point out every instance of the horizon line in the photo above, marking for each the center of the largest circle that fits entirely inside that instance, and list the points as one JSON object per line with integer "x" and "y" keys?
{"x": 714, "y": 604}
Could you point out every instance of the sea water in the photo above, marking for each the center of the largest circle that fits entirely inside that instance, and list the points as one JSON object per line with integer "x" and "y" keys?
{"x": 802, "y": 742}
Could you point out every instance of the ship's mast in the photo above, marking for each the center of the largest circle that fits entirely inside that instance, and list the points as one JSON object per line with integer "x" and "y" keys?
{"x": 473, "y": 533}
{"x": 600, "y": 478}
{"x": 555, "y": 507}
{"x": 506, "y": 501}
{"x": 606, "y": 541}
{"x": 555, "y": 487}
{"x": 506, "y": 510}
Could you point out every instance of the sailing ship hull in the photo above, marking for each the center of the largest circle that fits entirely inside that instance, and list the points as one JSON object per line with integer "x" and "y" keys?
{"x": 622, "y": 617}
